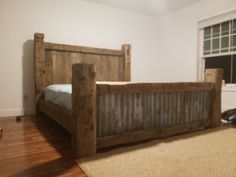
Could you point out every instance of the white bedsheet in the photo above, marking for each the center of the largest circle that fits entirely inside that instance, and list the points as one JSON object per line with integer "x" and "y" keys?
{"x": 59, "y": 94}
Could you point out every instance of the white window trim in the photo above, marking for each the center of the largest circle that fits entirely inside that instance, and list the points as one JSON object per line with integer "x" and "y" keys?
{"x": 217, "y": 18}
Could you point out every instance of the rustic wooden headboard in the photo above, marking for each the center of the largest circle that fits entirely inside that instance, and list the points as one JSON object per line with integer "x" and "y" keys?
{"x": 53, "y": 63}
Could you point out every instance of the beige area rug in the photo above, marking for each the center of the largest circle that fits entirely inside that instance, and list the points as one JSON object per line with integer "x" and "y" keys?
{"x": 209, "y": 153}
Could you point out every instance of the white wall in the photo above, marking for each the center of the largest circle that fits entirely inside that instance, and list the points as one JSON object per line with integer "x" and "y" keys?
{"x": 65, "y": 21}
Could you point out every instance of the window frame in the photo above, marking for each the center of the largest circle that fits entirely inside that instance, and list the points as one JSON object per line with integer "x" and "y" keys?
{"x": 209, "y": 21}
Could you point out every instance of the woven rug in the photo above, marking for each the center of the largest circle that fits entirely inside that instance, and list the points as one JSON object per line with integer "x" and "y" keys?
{"x": 209, "y": 153}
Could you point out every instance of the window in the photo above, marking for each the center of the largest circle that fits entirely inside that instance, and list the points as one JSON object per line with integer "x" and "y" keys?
{"x": 219, "y": 48}
{"x": 220, "y": 38}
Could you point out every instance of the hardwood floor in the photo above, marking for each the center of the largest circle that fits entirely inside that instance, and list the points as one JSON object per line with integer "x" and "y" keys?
{"x": 35, "y": 148}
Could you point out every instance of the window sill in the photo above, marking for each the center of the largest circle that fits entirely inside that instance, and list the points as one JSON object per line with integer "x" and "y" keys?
{"x": 229, "y": 88}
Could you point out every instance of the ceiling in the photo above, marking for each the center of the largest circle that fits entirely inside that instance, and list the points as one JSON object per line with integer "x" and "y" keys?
{"x": 150, "y": 7}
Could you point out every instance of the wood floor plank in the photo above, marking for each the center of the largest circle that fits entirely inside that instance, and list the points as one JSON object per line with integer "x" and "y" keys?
{"x": 36, "y": 147}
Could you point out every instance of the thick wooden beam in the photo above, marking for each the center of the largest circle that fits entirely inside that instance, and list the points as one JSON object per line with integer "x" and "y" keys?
{"x": 215, "y": 76}
{"x": 83, "y": 110}
{"x": 106, "y": 87}
{"x": 126, "y": 48}
{"x": 39, "y": 63}
{"x": 132, "y": 137}
{"x": 82, "y": 49}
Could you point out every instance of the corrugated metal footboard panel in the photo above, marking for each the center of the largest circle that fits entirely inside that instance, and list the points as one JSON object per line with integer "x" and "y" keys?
{"x": 121, "y": 112}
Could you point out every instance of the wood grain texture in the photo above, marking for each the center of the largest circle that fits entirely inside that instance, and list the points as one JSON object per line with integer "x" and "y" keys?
{"x": 127, "y": 62}
{"x": 39, "y": 58}
{"x": 61, "y": 116}
{"x": 137, "y": 136}
{"x": 53, "y": 63}
{"x": 215, "y": 76}
{"x": 130, "y": 87}
{"x": 129, "y": 112}
{"x": 82, "y": 49}
{"x": 36, "y": 148}
{"x": 59, "y": 66}
{"x": 84, "y": 110}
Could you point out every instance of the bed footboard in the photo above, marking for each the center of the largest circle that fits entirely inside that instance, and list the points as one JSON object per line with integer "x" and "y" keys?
{"x": 107, "y": 114}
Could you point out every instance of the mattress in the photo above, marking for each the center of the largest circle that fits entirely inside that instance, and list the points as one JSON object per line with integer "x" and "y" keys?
{"x": 59, "y": 94}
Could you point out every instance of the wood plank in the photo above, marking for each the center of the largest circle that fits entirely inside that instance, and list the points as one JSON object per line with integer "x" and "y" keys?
{"x": 82, "y": 49}
{"x": 126, "y": 48}
{"x": 39, "y": 58}
{"x": 215, "y": 76}
{"x": 132, "y": 137}
{"x": 61, "y": 116}
{"x": 107, "y": 87}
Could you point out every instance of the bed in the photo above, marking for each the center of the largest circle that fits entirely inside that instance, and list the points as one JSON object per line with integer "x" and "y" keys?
{"x": 108, "y": 109}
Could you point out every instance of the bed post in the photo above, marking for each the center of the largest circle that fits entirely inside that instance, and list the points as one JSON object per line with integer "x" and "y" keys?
{"x": 84, "y": 110}
{"x": 39, "y": 57}
{"x": 215, "y": 76}
{"x": 126, "y": 48}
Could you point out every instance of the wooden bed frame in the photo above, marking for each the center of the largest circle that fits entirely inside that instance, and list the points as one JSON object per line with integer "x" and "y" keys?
{"x": 105, "y": 114}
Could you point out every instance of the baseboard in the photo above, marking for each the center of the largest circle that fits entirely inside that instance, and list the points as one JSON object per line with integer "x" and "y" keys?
{"x": 11, "y": 112}
{"x": 17, "y": 112}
